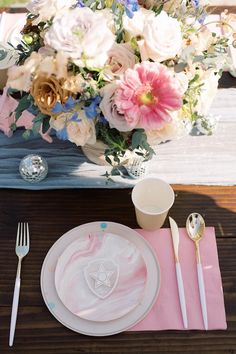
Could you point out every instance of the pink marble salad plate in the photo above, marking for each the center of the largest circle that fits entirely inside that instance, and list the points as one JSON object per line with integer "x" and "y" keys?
{"x": 100, "y": 278}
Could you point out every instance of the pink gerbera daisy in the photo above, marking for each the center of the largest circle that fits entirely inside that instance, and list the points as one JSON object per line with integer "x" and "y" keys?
{"x": 146, "y": 95}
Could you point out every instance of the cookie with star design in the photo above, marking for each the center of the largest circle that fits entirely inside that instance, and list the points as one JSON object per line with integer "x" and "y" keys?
{"x": 100, "y": 277}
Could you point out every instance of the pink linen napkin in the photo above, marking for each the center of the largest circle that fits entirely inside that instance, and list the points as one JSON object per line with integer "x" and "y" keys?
{"x": 166, "y": 313}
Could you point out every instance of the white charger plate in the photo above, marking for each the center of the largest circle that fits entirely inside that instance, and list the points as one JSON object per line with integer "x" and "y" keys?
{"x": 94, "y": 328}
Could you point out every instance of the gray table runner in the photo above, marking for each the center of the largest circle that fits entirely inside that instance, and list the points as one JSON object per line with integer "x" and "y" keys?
{"x": 209, "y": 160}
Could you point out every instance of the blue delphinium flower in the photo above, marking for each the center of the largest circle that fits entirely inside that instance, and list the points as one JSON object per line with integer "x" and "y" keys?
{"x": 196, "y": 3}
{"x": 69, "y": 104}
{"x": 62, "y": 134}
{"x": 91, "y": 110}
{"x": 202, "y": 18}
{"x": 58, "y": 108}
{"x": 131, "y": 6}
{"x": 75, "y": 118}
{"x": 79, "y": 3}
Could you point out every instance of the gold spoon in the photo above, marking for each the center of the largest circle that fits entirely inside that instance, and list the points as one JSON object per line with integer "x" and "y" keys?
{"x": 195, "y": 226}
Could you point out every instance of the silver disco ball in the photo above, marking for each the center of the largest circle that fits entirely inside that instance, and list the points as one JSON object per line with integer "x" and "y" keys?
{"x": 33, "y": 168}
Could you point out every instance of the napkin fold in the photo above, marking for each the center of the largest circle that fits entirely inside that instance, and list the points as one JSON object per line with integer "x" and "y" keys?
{"x": 166, "y": 312}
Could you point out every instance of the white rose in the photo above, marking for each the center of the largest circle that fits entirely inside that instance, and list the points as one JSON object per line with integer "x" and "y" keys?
{"x": 109, "y": 18}
{"x": 135, "y": 25}
{"x": 47, "y": 9}
{"x": 208, "y": 92}
{"x": 162, "y": 38}
{"x": 120, "y": 58}
{"x": 83, "y": 35}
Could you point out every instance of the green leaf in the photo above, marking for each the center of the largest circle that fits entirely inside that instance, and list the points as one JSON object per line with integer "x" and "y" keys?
{"x": 26, "y": 134}
{"x": 157, "y": 10}
{"x": 46, "y": 125}
{"x": 24, "y": 103}
{"x": 36, "y": 128}
{"x": 196, "y": 77}
{"x": 107, "y": 158}
{"x": 40, "y": 117}
{"x": 115, "y": 171}
{"x": 137, "y": 138}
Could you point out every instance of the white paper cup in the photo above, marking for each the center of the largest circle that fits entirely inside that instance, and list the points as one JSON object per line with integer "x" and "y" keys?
{"x": 152, "y": 198}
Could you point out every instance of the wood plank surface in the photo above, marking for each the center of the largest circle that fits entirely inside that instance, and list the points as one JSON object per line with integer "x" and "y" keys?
{"x": 52, "y": 213}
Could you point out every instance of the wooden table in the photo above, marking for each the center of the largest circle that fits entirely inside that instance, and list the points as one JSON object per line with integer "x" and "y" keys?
{"x": 50, "y": 214}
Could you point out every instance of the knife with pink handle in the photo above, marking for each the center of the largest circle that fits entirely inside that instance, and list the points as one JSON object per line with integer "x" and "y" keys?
{"x": 175, "y": 239}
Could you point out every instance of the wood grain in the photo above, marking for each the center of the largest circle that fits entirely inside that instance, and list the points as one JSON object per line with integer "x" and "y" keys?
{"x": 50, "y": 214}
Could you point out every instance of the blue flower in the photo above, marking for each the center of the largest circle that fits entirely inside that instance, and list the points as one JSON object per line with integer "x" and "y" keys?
{"x": 58, "y": 108}
{"x": 79, "y": 3}
{"x": 196, "y": 3}
{"x": 62, "y": 134}
{"x": 201, "y": 19}
{"x": 91, "y": 110}
{"x": 131, "y": 6}
{"x": 75, "y": 118}
{"x": 69, "y": 104}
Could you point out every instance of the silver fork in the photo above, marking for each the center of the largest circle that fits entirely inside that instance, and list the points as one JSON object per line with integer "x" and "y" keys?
{"x": 22, "y": 248}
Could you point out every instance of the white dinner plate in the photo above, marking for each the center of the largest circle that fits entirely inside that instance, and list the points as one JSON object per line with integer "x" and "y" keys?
{"x": 90, "y": 327}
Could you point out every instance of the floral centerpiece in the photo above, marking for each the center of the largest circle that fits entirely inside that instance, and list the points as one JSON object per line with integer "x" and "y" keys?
{"x": 127, "y": 74}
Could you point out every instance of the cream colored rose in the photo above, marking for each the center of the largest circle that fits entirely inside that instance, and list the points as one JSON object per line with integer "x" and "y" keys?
{"x": 47, "y": 91}
{"x": 120, "y": 58}
{"x": 83, "y": 35}
{"x": 162, "y": 38}
{"x": 47, "y": 9}
{"x": 135, "y": 25}
{"x": 80, "y": 131}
